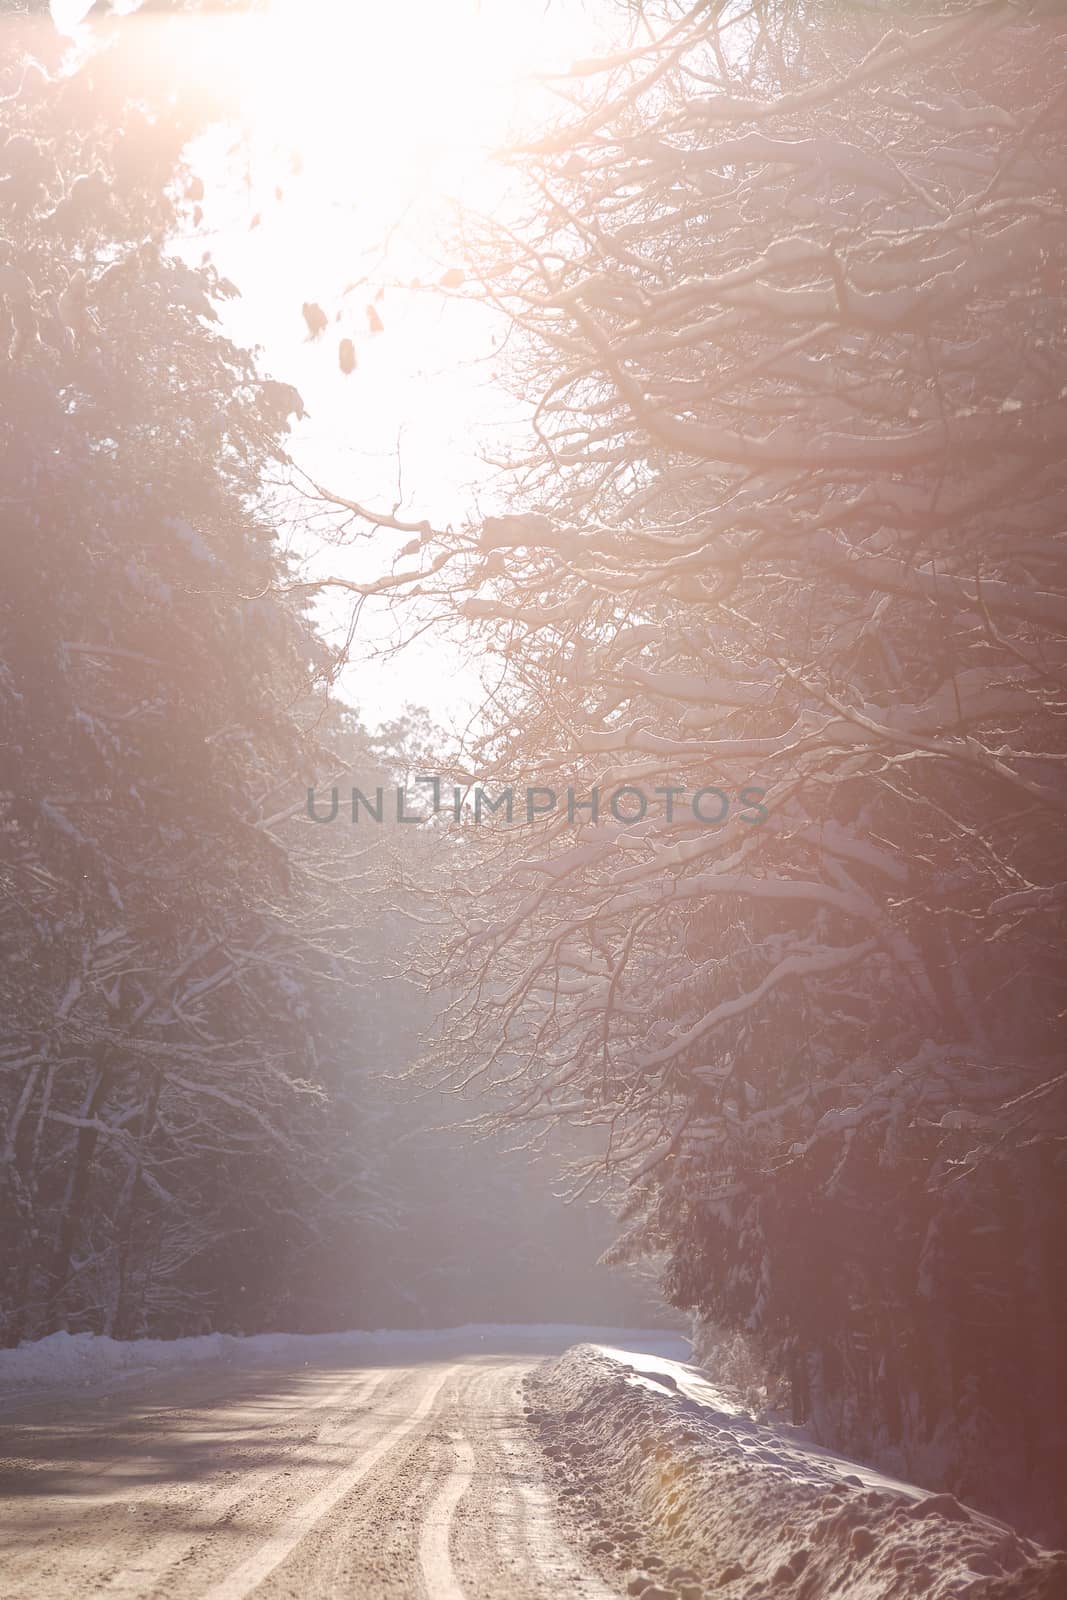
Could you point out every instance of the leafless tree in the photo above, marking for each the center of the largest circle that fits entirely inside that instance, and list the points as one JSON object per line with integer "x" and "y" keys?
{"x": 785, "y": 297}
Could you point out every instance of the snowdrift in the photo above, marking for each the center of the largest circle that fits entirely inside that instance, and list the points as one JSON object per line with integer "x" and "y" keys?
{"x": 67, "y": 1361}
{"x": 691, "y": 1498}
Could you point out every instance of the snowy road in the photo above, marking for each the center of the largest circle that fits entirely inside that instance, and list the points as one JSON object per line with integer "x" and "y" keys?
{"x": 406, "y": 1473}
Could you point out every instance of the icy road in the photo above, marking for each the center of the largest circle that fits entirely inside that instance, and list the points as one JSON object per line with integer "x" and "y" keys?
{"x": 304, "y": 1468}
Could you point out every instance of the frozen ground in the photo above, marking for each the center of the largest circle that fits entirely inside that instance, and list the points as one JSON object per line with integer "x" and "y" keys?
{"x": 364, "y": 1466}
{"x": 679, "y": 1493}
{"x": 73, "y": 1361}
{"x": 478, "y": 1463}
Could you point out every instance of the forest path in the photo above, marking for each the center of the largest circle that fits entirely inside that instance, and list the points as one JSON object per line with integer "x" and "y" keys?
{"x": 414, "y": 1480}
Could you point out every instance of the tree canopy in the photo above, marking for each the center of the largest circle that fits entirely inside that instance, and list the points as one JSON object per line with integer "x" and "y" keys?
{"x": 785, "y": 299}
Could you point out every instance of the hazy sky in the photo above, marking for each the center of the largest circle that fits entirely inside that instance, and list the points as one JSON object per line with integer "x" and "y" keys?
{"x": 373, "y": 119}
{"x": 374, "y": 134}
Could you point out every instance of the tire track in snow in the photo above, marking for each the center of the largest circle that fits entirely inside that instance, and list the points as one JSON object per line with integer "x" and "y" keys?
{"x": 276, "y": 1546}
{"x": 512, "y": 1513}
{"x": 352, "y": 1391}
{"x": 548, "y": 1553}
{"x": 435, "y": 1557}
{"x": 169, "y": 1552}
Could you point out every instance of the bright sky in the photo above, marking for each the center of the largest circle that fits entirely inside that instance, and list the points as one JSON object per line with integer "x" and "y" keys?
{"x": 392, "y": 113}
{"x": 373, "y": 118}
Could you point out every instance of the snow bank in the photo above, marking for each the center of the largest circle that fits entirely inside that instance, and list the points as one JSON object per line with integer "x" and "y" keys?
{"x": 691, "y": 1498}
{"x": 84, "y": 1360}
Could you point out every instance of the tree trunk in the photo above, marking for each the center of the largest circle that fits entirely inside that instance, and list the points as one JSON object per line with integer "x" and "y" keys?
{"x": 77, "y": 1191}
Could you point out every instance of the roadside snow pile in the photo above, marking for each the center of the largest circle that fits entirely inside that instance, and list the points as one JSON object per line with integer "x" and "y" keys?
{"x": 88, "y": 1361}
{"x": 691, "y": 1498}
{"x": 82, "y": 1359}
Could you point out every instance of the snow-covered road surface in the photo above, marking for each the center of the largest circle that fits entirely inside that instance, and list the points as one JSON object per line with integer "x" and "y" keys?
{"x": 451, "y": 1466}
{"x": 357, "y": 1470}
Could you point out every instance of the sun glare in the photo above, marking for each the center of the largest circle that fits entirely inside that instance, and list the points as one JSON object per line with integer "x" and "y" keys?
{"x": 362, "y": 124}
{"x": 360, "y": 127}
{"x": 383, "y": 100}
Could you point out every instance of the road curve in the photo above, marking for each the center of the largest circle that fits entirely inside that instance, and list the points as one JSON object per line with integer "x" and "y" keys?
{"x": 409, "y": 1475}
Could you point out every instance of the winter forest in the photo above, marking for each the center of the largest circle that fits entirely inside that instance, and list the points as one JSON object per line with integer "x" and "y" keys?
{"x": 719, "y": 981}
